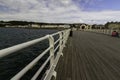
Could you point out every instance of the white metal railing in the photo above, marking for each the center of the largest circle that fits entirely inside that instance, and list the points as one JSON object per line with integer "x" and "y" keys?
{"x": 63, "y": 36}
{"x": 103, "y": 31}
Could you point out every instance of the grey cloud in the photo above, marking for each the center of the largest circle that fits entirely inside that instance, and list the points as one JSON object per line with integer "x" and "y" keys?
{"x": 52, "y": 11}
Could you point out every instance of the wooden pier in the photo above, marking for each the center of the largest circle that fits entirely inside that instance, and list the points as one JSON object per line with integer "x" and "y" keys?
{"x": 90, "y": 56}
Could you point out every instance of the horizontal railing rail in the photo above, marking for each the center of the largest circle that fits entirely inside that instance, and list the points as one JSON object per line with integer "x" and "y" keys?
{"x": 103, "y": 31}
{"x": 63, "y": 36}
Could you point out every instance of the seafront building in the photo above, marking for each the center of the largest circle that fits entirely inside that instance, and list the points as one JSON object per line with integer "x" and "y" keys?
{"x": 113, "y": 25}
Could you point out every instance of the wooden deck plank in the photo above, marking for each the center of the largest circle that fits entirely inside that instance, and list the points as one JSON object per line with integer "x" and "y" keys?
{"x": 90, "y": 56}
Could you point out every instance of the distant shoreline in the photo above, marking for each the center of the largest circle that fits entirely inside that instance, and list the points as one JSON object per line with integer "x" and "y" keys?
{"x": 36, "y": 28}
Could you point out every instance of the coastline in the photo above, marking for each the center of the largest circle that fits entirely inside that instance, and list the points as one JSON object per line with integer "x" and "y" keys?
{"x": 36, "y": 28}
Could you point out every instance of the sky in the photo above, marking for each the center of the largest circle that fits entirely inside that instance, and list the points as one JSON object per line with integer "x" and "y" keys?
{"x": 61, "y": 11}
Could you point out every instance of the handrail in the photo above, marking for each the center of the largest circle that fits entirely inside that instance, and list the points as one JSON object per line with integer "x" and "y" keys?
{"x": 7, "y": 51}
{"x": 63, "y": 36}
{"x": 102, "y": 31}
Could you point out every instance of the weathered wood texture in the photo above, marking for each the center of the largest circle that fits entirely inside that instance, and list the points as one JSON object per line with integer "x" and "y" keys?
{"x": 90, "y": 56}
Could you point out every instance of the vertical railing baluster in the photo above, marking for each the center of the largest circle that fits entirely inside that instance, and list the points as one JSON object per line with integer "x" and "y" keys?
{"x": 60, "y": 43}
{"x": 67, "y": 34}
{"x": 51, "y": 44}
{"x": 64, "y": 39}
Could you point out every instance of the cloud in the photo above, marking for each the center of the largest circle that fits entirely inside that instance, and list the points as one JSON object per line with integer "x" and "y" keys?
{"x": 64, "y": 11}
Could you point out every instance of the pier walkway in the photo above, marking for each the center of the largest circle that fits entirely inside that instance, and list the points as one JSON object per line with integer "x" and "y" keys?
{"x": 90, "y": 56}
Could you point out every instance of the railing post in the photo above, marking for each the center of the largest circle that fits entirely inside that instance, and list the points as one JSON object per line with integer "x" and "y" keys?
{"x": 60, "y": 43}
{"x": 64, "y": 35}
{"x": 51, "y": 44}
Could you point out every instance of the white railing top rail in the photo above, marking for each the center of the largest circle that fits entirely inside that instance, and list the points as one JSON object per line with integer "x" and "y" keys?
{"x": 7, "y": 51}
{"x": 103, "y": 31}
{"x": 63, "y": 36}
